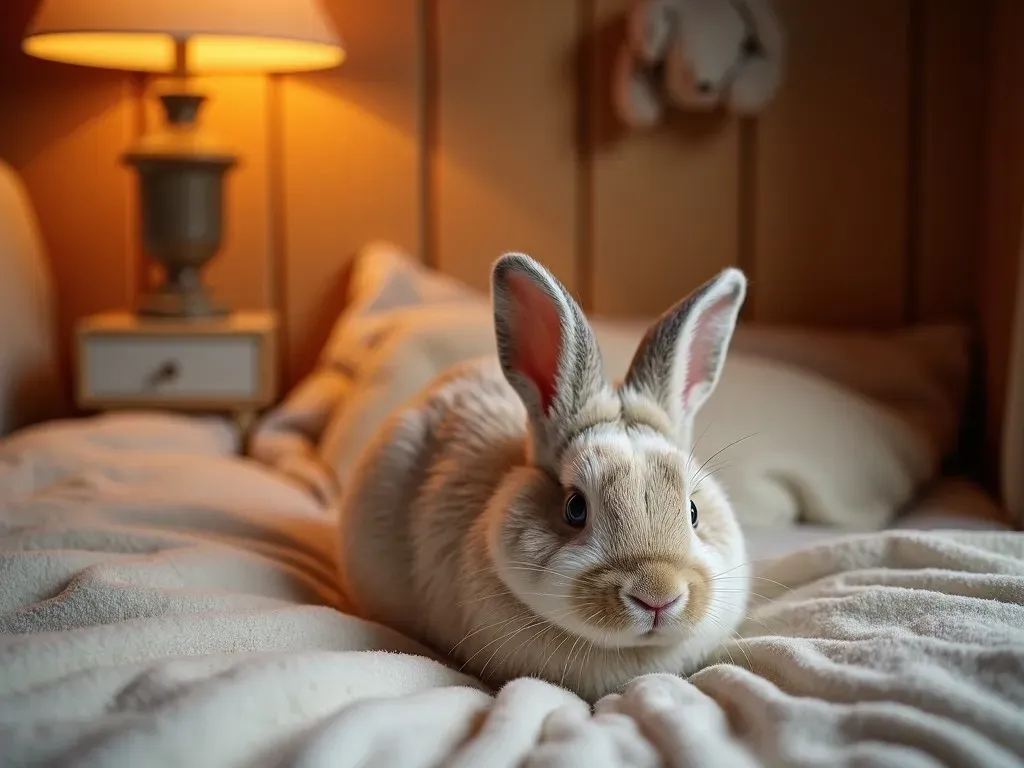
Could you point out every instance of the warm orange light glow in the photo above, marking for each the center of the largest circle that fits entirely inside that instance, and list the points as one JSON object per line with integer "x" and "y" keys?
{"x": 205, "y": 53}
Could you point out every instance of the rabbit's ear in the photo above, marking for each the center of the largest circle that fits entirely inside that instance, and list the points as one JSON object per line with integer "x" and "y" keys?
{"x": 680, "y": 359}
{"x": 546, "y": 347}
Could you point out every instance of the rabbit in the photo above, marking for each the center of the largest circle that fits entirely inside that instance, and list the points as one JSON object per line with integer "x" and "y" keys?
{"x": 525, "y": 517}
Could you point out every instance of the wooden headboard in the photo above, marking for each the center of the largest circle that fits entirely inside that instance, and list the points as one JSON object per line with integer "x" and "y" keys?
{"x": 463, "y": 128}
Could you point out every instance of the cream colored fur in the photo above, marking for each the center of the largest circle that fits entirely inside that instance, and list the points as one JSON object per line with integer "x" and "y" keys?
{"x": 453, "y": 531}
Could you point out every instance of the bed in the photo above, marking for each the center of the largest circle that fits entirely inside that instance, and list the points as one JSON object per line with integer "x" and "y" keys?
{"x": 168, "y": 590}
{"x": 168, "y": 601}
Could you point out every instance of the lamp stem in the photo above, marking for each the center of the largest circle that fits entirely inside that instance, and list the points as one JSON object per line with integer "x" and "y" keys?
{"x": 181, "y": 106}
{"x": 182, "y": 109}
{"x": 181, "y": 59}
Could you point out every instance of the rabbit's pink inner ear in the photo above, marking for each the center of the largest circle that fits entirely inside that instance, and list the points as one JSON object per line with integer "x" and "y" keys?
{"x": 704, "y": 347}
{"x": 537, "y": 341}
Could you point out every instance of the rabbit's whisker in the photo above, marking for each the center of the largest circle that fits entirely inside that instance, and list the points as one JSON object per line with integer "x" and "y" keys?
{"x": 712, "y": 471}
{"x": 752, "y": 578}
{"x": 551, "y": 637}
{"x": 568, "y": 579}
{"x": 693, "y": 449}
{"x": 523, "y": 646}
{"x": 540, "y": 621}
{"x": 493, "y": 570}
{"x": 733, "y": 636}
{"x": 533, "y": 566}
{"x": 765, "y": 598}
{"x": 748, "y": 617}
{"x": 568, "y": 662}
{"x": 530, "y": 622}
{"x": 741, "y": 565}
{"x": 723, "y": 646}
{"x": 524, "y": 615}
{"x": 720, "y": 451}
{"x": 527, "y": 614}
{"x": 590, "y": 650}
{"x": 565, "y": 668}
{"x": 548, "y": 660}
{"x": 507, "y": 593}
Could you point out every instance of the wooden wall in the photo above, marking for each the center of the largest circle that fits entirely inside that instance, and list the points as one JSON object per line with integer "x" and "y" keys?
{"x": 463, "y": 128}
{"x": 1003, "y": 222}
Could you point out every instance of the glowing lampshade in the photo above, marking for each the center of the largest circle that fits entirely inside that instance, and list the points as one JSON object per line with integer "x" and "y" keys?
{"x": 220, "y": 36}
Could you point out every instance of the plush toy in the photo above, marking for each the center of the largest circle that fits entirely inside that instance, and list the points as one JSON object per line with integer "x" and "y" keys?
{"x": 698, "y": 55}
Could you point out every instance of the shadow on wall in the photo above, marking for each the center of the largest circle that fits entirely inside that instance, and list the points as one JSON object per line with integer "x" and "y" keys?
{"x": 349, "y": 172}
{"x": 29, "y": 89}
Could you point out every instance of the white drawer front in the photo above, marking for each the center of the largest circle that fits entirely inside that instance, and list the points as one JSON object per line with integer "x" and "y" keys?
{"x": 202, "y": 368}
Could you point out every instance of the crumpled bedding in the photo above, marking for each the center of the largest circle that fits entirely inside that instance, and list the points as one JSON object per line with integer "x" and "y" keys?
{"x": 164, "y": 602}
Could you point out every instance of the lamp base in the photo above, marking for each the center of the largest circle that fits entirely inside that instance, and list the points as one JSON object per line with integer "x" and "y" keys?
{"x": 181, "y": 297}
{"x": 181, "y": 182}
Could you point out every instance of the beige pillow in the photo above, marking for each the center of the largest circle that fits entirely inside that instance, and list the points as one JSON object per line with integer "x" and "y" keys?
{"x": 817, "y": 426}
{"x": 30, "y": 382}
{"x": 810, "y": 448}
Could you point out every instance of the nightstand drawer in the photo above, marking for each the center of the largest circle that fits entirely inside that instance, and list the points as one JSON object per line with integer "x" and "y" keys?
{"x": 224, "y": 364}
{"x": 202, "y": 368}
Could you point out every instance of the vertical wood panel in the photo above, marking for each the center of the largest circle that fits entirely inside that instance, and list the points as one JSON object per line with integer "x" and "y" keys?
{"x": 951, "y": 147}
{"x": 665, "y": 202}
{"x": 236, "y": 115}
{"x": 506, "y": 160}
{"x": 64, "y": 129}
{"x": 350, "y": 164}
{"x": 832, "y": 168}
{"x": 1004, "y": 201}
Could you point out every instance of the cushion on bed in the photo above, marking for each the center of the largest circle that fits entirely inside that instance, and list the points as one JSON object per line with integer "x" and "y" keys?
{"x": 30, "y": 382}
{"x": 827, "y": 427}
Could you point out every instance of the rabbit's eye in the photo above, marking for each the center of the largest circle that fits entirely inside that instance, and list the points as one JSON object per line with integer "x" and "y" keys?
{"x": 693, "y": 514}
{"x": 576, "y": 509}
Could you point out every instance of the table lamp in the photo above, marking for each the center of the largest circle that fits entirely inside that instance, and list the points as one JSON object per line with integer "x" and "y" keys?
{"x": 181, "y": 170}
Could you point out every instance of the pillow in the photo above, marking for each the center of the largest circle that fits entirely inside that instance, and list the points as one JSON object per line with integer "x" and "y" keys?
{"x": 806, "y": 425}
{"x": 384, "y": 285}
{"x": 30, "y": 381}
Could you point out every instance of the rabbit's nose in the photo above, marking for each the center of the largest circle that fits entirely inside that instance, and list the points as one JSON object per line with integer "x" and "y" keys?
{"x": 653, "y": 604}
{"x": 657, "y": 608}
{"x": 655, "y": 592}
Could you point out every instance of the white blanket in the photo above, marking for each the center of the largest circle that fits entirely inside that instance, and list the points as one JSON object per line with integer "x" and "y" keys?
{"x": 163, "y": 603}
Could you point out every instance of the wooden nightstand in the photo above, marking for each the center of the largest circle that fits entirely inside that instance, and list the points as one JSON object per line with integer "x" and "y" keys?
{"x": 222, "y": 365}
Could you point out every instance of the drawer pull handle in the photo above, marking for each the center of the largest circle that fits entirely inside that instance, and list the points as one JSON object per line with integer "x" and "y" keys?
{"x": 168, "y": 371}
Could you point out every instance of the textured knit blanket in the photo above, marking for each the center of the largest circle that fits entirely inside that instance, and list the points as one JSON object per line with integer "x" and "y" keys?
{"x": 165, "y": 603}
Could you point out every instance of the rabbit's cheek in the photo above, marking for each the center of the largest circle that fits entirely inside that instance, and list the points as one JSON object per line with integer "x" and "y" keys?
{"x": 513, "y": 530}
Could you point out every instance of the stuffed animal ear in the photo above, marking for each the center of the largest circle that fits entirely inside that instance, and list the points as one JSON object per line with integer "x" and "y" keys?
{"x": 680, "y": 359}
{"x": 636, "y": 95}
{"x": 636, "y": 90}
{"x": 651, "y": 25}
{"x": 754, "y": 88}
{"x": 759, "y": 76}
